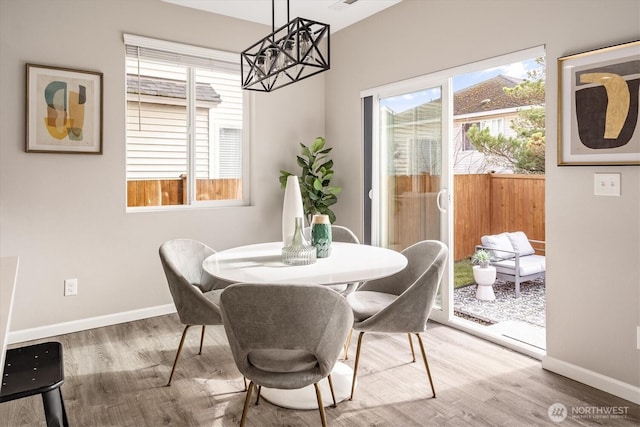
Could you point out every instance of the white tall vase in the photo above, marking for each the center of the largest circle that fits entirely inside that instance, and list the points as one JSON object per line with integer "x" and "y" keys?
{"x": 291, "y": 208}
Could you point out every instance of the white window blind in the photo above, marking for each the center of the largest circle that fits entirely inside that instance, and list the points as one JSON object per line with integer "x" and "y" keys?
{"x": 180, "y": 54}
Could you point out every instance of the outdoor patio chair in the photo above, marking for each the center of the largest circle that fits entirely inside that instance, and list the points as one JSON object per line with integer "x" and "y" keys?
{"x": 514, "y": 257}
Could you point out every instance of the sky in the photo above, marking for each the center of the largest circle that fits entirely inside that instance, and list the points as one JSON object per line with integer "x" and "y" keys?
{"x": 403, "y": 102}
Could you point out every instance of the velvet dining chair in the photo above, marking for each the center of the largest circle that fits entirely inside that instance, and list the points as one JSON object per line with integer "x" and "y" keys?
{"x": 401, "y": 303}
{"x": 285, "y": 336}
{"x": 195, "y": 293}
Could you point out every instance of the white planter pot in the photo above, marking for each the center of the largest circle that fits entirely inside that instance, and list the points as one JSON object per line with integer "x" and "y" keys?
{"x": 485, "y": 277}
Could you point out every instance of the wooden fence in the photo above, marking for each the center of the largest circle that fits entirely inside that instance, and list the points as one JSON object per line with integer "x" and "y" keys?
{"x": 494, "y": 203}
{"x": 163, "y": 192}
{"x": 484, "y": 204}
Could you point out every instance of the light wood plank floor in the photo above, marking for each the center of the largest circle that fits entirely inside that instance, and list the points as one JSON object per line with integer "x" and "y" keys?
{"x": 116, "y": 376}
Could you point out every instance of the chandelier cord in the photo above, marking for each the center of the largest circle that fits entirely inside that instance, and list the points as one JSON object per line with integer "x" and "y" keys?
{"x": 273, "y": 15}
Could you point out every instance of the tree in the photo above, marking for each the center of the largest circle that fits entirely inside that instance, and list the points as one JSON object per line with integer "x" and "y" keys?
{"x": 525, "y": 152}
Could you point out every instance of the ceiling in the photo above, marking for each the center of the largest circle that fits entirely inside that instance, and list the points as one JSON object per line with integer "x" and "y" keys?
{"x": 337, "y": 13}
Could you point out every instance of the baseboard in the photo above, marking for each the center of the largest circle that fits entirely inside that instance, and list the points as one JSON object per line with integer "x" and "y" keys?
{"x": 89, "y": 323}
{"x": 601, "y": 382}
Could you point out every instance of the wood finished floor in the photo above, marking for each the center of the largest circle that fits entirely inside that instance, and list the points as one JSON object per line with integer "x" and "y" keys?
{"x": 116, "y": 376}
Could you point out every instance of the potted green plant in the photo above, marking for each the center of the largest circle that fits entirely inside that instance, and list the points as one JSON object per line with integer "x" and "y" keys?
{"x": 482, "y": 258}
{"x": 318, "y": 195}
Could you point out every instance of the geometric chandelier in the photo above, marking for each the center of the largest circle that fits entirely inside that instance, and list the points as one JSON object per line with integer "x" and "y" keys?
{"x": 293, "y": 52}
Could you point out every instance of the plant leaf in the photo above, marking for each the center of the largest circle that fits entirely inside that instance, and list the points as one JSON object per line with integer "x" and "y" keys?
{"x": 317, "y": 145}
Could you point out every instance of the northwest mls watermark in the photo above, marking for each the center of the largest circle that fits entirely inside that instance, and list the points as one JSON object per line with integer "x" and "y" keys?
{"x": 558, "y": 412}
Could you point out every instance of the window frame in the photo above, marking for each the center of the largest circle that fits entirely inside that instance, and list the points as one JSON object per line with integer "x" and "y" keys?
{"x": 225, "y": 60}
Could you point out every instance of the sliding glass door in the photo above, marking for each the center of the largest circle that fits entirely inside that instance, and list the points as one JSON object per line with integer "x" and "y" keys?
{"x": 409, "y": 167}
{"x": 424, "y": 135}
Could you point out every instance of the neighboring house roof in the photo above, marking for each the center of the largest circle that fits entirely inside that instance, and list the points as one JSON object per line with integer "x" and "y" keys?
{"x": 153, "y": 86}
{"x": 487, "y": 95}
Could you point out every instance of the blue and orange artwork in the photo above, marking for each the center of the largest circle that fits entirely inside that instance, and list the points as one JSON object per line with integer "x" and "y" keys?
{"x": 65, "y": 115}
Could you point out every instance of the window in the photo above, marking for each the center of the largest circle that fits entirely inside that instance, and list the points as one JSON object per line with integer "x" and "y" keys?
{"x": 467, "y": 144}
{"x": 495, "y": 126}
{"x": 186, "y": 122}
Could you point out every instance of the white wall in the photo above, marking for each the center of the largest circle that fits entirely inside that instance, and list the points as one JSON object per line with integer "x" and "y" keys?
{"x": 64, "y": 215}
{"x": 593, "y": 243}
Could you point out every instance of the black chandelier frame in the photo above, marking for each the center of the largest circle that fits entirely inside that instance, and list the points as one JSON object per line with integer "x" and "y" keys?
{"x": 293, "y": 52}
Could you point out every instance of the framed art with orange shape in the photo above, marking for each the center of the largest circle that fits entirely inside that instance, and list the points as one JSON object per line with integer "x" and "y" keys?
{"x": 63, "y": 110}
{"x": 598, "y": 106}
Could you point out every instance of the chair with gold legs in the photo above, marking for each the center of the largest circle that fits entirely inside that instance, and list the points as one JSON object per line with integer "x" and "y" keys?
{"x": 285, "y": 336}
{"x": 196, "y": 295}
{"x": 401, "y": 303}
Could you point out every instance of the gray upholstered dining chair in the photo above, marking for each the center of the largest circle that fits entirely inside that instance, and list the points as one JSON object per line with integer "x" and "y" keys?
{"x": 401, "y": 303}
{"x": 285, "y": 336}
{"x": 195, "y": 293}
{"x": 339, "y": 233}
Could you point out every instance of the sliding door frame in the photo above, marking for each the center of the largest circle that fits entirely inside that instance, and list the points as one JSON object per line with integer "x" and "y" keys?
{"x": 371, "y": 142}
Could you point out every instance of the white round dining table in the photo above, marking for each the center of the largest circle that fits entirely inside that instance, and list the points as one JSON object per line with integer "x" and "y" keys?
{"x": 262, "y": 263}
{"x": 348, "y": 263}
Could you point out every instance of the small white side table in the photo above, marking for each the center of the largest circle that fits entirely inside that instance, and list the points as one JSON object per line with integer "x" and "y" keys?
{"x": 485, "y": 278}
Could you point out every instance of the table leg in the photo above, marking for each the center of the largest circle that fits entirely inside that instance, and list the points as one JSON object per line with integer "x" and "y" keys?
{"x": 54, "y": 408}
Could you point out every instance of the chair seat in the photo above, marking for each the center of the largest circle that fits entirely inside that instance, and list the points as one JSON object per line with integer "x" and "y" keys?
{"x": 33, "y": 369}
{"x": 367, "y": 303}
{"x": 528, "y": 265}
{"x": 282, "y": 360}
{"x": 37, "y": 369}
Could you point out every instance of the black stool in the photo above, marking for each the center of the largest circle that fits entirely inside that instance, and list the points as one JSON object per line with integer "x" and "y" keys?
{"x": 36, "y": 369}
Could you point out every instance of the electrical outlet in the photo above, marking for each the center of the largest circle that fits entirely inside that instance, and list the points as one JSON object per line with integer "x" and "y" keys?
{"x": 70, "y": 287}
{"x": 606, "y": 184}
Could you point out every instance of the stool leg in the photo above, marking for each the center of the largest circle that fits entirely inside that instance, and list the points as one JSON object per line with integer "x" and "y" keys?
{"x": 54, "y": 408}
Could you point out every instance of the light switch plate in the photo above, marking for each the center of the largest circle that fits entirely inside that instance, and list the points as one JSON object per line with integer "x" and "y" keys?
{"x": 70, "y": 287}
{"x": 606, "y": 184}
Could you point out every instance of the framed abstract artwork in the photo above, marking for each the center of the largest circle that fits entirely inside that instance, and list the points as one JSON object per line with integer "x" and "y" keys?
{"x": 64, "y": 110}
{"x": 598, "y": 96}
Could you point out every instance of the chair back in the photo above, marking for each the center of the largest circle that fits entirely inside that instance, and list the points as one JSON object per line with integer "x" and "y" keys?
{"x": 343, "y": 234}
{"x": 182, "y": 263}
{"x": 339, "y": 233}
{"x": 285, "y": 336}
{"x": 415, "y": 286}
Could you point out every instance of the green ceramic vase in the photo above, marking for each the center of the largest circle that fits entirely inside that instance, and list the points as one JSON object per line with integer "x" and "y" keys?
{"x": 321, "y": 235}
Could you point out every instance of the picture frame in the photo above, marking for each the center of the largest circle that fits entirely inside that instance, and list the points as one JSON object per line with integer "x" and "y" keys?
{"x": 63, "y": 110}
{"x": 598, "y": 106}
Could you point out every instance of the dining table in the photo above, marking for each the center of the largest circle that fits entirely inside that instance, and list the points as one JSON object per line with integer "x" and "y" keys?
{"x": 347, "y": 263}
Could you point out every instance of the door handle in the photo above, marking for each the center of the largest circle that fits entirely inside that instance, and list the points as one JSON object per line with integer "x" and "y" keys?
{"x": 440, "y": 193}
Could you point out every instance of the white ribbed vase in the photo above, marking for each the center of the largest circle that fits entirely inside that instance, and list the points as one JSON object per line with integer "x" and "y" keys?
{"x": 291, "y": 208}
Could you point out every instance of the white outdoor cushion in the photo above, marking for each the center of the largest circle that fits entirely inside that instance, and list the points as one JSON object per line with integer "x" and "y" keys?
{"x": 528, "y": 265}
{"x": 499, "y": 243}
{"x": 521, "y": 243}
